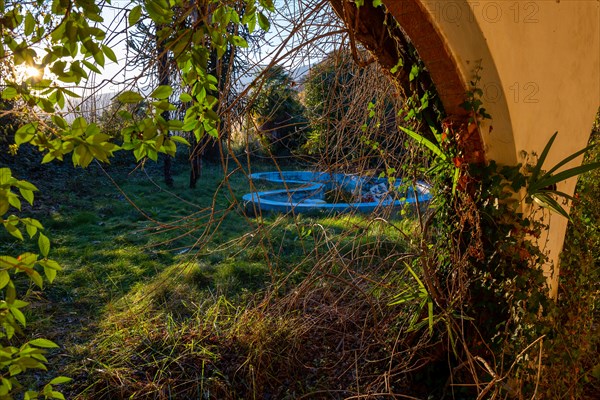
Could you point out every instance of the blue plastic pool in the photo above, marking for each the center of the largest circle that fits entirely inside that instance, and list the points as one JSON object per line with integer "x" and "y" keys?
{"x": 305, "y": 191}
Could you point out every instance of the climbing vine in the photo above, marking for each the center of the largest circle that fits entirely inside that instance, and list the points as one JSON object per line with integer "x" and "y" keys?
{"x": 478, "y": 280}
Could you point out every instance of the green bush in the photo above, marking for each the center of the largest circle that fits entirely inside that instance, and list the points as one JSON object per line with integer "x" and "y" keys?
{"x": 278, "y": 112}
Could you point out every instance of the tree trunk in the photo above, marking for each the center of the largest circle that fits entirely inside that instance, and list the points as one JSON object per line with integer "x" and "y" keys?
{"x": 388, "y": 44}
{"x": 167, "y": 171}
{"x": 195, "y": 161}
{"x": 163, "y": 80}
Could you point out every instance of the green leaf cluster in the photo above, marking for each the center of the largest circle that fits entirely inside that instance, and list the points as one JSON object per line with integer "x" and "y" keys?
{"x": 13, "y": 360}
{"x": 65, "y": 39}
{"x": 541, "y": 186}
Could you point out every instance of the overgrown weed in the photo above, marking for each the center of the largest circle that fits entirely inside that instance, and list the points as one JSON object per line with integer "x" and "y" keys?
{"x": 281, "y": 307}
{"x": 571, "y": 355}
{"x": 334, "y": 333}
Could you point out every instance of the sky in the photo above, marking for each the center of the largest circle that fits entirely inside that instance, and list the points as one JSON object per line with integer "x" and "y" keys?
{"x": 115, "y": 20}
{"x": 296, "y": 61}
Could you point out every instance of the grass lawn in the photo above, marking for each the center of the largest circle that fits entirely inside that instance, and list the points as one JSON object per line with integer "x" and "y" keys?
{"x": 175, "y": 293}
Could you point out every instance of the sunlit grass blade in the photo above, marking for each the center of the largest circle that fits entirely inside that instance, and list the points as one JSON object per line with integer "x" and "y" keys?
{"x": 425, "y": 142}
{"x": 455, "y": 180}
{"x": 570, "y": 158}
{"x": 430, "y": 314}
{"x": 432, "y": 127}
{"x": 542, "y": 158}
{"x": 546, "y": 201}
{"x": 549, "y": 180}
{"x": 414, "y": 274}
{"x": 403, "y": 297}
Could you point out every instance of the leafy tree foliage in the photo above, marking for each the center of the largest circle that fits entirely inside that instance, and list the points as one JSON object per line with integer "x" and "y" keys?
{"x": 65, "y": 39}
{"x": 154, "y": 55}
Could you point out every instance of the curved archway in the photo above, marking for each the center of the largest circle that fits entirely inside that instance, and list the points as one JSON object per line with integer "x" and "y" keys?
{"x": 452, "y": 71}
{"x": 541, "y": 72}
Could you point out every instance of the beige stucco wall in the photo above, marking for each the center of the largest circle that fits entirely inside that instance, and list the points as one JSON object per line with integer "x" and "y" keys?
{"x": 541, "y": 74}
